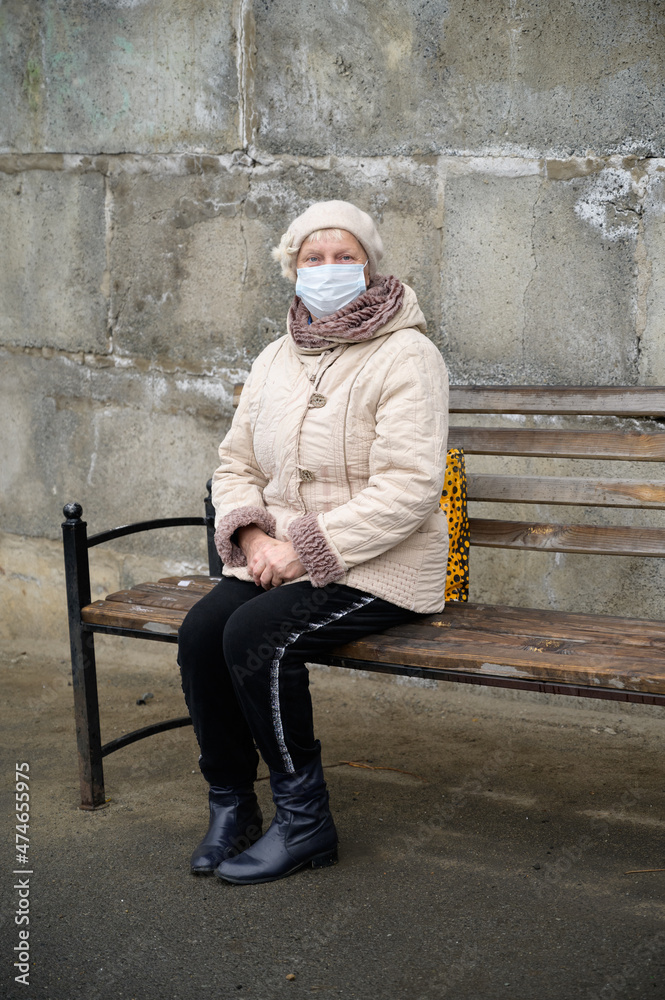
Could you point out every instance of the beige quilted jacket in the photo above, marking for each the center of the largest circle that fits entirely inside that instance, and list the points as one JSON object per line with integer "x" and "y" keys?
{"x": 343, "y": 451}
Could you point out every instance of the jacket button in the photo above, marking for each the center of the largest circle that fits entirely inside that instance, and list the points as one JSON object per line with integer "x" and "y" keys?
{"x": 316, "y": 400}
{"x": 306, "y": 476}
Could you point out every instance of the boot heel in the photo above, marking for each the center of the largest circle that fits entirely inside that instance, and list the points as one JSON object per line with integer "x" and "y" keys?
{"x": 325, "y": 860}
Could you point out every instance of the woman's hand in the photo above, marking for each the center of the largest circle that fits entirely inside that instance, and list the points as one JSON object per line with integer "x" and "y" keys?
{"x": 270, "y": 562}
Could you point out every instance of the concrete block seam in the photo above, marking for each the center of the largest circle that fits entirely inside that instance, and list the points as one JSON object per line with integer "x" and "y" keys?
{"x": 126, "y": 363}
{"x": 252, "y": 159}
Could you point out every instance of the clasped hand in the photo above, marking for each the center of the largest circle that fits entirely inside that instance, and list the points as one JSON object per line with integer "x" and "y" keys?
{"x": 269, "y": 562}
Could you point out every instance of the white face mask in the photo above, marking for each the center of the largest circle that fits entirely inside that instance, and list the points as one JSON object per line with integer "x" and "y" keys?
{"x": 328, "y": 287}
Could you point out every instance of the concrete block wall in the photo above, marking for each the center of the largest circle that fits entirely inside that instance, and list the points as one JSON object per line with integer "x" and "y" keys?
{"x": 153, "y": 151}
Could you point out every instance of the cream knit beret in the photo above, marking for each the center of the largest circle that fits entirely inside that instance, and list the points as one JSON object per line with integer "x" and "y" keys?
{"x": 329, "y": 215}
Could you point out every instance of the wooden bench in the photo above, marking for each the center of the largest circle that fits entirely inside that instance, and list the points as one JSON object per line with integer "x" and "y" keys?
{"x": 594, "y": 655}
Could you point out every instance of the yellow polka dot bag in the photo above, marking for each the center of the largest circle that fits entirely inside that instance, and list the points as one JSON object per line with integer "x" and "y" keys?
{"x": 453, "y": 505}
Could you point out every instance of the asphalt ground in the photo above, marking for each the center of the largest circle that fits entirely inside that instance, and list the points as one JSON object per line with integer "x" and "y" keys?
{"x": 483, "y": 850}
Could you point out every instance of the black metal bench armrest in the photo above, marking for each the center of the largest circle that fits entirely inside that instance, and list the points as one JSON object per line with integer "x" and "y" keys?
{"x": 132, "y": 529}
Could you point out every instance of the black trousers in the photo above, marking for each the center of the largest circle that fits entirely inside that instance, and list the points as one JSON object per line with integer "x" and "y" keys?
{"x": 242, "y": 652}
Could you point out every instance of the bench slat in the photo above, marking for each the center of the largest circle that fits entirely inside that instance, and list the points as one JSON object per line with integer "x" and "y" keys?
{"x": 558, "y": 444}
{"x": 598, "y": 644}
{"x": 171, "y": 587}
{"x": 161, "y": 621}
{"x": 566, "y": 490}
{"x": 632, "y": 673}
{"x": 518, "y": 648}
{"x": 496, "y": 619}
{"x": 582, "y": 538}
{"x": 155, "y": 599}
{"x": 624, "y": 401}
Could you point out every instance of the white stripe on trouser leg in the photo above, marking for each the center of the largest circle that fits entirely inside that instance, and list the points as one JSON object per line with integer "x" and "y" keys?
{"x": 274, "y": 675}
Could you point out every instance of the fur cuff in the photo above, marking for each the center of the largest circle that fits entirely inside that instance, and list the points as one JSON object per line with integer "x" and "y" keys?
{"x": 230, "y": 553}
{"x": 322, "y": 564}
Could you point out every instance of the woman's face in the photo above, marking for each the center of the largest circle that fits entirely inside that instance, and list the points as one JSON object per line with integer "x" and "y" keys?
{"x": 328, "y": 250}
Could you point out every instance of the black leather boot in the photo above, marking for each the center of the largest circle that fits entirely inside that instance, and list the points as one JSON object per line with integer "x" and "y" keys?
{"x": 235, "y": 823}
{"x": 302, "y": 832}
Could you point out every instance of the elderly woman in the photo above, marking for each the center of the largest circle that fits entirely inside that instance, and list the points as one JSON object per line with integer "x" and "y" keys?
{"x": 329, "y": 528}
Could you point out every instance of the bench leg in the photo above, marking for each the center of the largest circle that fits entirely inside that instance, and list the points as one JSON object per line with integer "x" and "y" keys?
{"x": 82, "y": 646}
{"x": 86, "y": 714}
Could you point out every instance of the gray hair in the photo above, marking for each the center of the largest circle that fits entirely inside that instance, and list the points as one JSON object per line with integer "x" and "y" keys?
{"x": 285, "y": 254}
